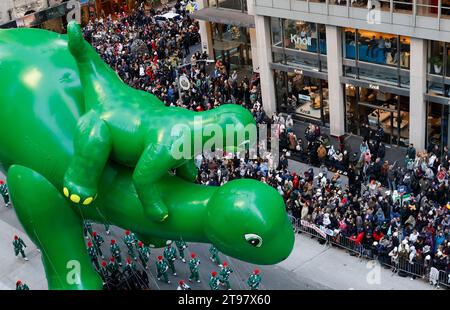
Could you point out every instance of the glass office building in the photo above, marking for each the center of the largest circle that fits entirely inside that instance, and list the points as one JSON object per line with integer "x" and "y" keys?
{"x": 343, "y": 66}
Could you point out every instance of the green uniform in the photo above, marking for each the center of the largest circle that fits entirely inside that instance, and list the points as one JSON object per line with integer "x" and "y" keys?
{"x": 5, "y": 194}
{"x": 214, "y": 283}
{"x": 87, "y": 228}
{"x": 181, "y": 246}
{"x": 107, "y": 228}
{"x": 254, "y": 281}
{"x": 93, "y": 255}
{"x": 104, "y": 272}
{"x": 170, "y": 254}
{"x": 225, "y": 276}
{"x": 193, "y": 267}
{"x": 116, "y": 253}
{"x": 130, "y": 241}
{"x": 22, "y": 287}
{"x": 214, "y": 255}
{"x": 98, "y": 240}
{"x": 161, "y": 270}
{"x": 144, "y": 255}
{"x": 19, "y": 245}
{"x": 112, "y": 267}
{"x": 130, "y": 268}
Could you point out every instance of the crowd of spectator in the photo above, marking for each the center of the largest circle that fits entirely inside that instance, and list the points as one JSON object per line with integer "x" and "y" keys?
{"x": 369, "y": 207}
{"x": 152, "y": 56}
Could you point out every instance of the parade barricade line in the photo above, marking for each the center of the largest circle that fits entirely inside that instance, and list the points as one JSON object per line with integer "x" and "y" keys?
{"x": 415, "y": 269}
{"x": 311, "y": 229}
{"x": 412, "y": 269}
{"x": 444, "y": 279}
{"x": 294, "y": 222}
{"x": 348, "y": 244}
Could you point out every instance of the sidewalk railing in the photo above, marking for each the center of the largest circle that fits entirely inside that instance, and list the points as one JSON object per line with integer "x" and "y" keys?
{"x": 444, "y": 278}
{"x": 403, "y": 265}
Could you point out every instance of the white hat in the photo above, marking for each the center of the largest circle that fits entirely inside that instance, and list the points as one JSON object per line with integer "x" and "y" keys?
{"x": 428, "y": 257}
{"x": 375, "y": 243}
{"x": 395, "y": 234}
{"x": 405, "y": 241}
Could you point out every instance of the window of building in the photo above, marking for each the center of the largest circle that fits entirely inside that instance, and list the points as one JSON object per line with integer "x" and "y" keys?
{"x": 305, "y": 97}
{"x": 299, "y": 44}
{"x": 277, "y": 38}
{"x": 438, "y": 68}
{"x": 438, "y": 125}
{"x": 240, "y": 5}
{"x": 304, "y": 36}
{"x": 377, "y": 47}
{"x": 375, "y": 56}
{"x": 232, "y": 45}
{"x": 368, "y": 109}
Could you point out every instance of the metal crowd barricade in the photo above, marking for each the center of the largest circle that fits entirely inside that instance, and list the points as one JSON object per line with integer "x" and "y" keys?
{"x": 294, "y": 222}
{"x": 309, "y": 230}
{"x": 346, "y": 243}
{"x": 444, "y": 279}
{"x": 413, "y": 269}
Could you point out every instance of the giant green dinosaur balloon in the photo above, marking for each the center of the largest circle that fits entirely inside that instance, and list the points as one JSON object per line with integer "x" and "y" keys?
{"x": 41, "y": 104}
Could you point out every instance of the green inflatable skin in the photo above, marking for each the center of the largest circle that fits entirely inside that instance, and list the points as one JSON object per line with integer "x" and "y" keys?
{"x": 41, "y": 103}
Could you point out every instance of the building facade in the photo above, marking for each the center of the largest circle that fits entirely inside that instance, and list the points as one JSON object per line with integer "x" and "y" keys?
{"x": 353, "y": 64}
{"x": 52, "y": 14}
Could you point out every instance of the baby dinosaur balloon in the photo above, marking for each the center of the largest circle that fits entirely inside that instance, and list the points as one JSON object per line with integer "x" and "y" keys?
{"x": 68, "y": 121}
{"x": 118, "y": 123}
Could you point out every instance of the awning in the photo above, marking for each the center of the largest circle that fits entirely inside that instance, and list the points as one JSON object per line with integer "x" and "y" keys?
{"x": 228, "y": 17}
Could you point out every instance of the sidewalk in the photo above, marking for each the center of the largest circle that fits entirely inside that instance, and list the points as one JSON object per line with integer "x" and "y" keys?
{"x": 393, "y": 152}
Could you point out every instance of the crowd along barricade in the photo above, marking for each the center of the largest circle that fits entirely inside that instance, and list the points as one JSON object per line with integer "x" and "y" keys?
{"x": 402, "y": 266}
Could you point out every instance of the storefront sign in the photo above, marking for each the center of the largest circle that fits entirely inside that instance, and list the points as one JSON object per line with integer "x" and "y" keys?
{"x": 299, "y": 41}
{"x": 304, "y": 97}
{"x": 374, "y": 86}
{"x": 297, "y": 71}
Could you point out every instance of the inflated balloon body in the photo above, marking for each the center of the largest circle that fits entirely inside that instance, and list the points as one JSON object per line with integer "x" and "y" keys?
{"x": 53, "y": 136}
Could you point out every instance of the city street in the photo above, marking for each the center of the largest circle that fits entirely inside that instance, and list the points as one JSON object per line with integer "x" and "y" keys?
{"x": 310, "y": 266}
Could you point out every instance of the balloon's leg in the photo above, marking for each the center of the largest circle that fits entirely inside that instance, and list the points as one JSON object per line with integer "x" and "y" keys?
{"x": 55, "y": 228}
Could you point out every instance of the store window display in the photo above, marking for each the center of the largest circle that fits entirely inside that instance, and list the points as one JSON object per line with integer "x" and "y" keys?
{"x": 276, "y": 32}
{"x": 231, "y": 44}
{"x": 304, "y": 36}
{"x": 377, "y": 47}
{"x": 439, "y": 68}
{"x": 299, "y": 44}
{"x": 303, "y": 96}
{"x": 370, "y": 109}
{"x": 438, "y": 125}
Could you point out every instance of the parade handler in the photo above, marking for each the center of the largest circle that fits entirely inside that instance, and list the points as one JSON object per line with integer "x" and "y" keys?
{"x": 4, "y": 193}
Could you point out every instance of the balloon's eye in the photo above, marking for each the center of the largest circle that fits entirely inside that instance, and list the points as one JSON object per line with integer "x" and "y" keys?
{"x": 253, "y": 240}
